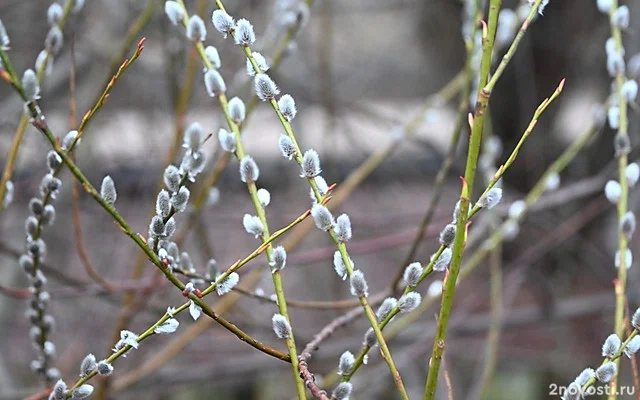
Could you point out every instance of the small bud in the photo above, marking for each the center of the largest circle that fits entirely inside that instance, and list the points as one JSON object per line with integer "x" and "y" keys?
{"x": 37, "y": 248}
{"x": 281, "y": 326}
{"x": 342, "y": 391}
{"x": 264, "y": 197}
{"x": 82, "y": 392}
{"x": 249, "y": 171}
{"x": 604, "y": 6}
{"x": 30, "y": 85}
{"x": 343, "y": 228}
{"x": 613, "y": 191}
{"x": 621, "y": 144}
{"x": 54, "y": 14}
{"x": 358, "y": 284}
{"x": 435, "y": 289}
{"x": 611, "y": 346}
{"x": 261, "y": 62}
{"x": 635, "y": 320}
{"x": 491, "y": 198}
{"x": 386, "y": 307}
{"x": 632, "y": 347}
{"x": 48, "y": 215}
{"x": 31, "y": 226}
{"x": 628, "y": 258}
{"x": 244, "y": 34}
{"x": 214, "y": 83}
{"x": 213, "y": 197}
{"x": 630, "y": 90}
{"x": 339, "y": 267}
{"x": 104, "y": 368}
{"x": 228, "y": 283}
{"x": 8, "y": 194}
{"x": 606, "y": 372}
{"x": 253, "y": 225}
{"x": 287, "y": 148}
{"x": 346, "y": 363}
{"x": 265, "y": 87}
{"x": 53, "y": 159}
{"x": 196, "y": 31}
{"x": 212, "y": 269}
{"x": 322, "y": 217}
{"x": 237, "y": 110}
{"x": 54, "y": 40}
{"x": 88, "y": 365}
{"x": 632, "y": 173}
{"x": 278, "y": 259}
{"x": 310, "y": 164}
{"x": 621, "y": 17}
{"x": 412, "y": 274}
{"x": 552, "y": 182}
{"x": 36, "y": 207}
{"x": 172, "y": 178}
{"x": 409, "y": 302}
{"x": 180, "y": 199}
{"x": 163, "y": 204}
{"x": 628, "y": 224}
{"x": 68, "y": 140}
{"x": 26, "y": 263}
{"x": 156, "y": 227}
{"x": 223, "y": 22}
{"x": 50, "y": 185}
{"x": 287, "y": 107}
{"x": 447, "y": 235}
{"x": 108, "y": 190}
{"x": 174, "y": 12}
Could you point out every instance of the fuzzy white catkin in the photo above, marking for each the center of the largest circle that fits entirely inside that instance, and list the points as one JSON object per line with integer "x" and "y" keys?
{"x": 310, "y": 164}
{"x": 491, "y": 198}
{"x": 281, "y": 326}
{"x": 435, "y": 289}
{"x": 358, "y": 284}
{"x": 287, "y": 106}
{"x": 30, "y": 85}
{"x": 59, "y": 391}
{"x": 54, "y": 41}
{"x": 346, "y": 363}
{"x": 180, "y": 199}
{"x": 606, "y": 372}
{"x": 87, "y": 365}
{"x": 621, "y": 17}
{"x": 108, "y": 190}
{"x": 278, "y": 258}
{"x": 342, "y": 391}
{"x": 227, "y": 140}
{"x": 104, "y": 368}
{"x": 604, "y": 6}
{"x": 4, "y": 39}
{"x": 552, "y": 182}
{"x": 386, "y": 307}
{"x": 611, "y": 346}
{"x": 628, "y": 224}
{"x": 264, "y": 197}
{"x": 253, "y": 225}
{"x": 630, "y": 91}
{"x": 249, "y": 171}
{"x": 228, "y": 283}
{"x": 287, "y": 148}
{"x": 632, "y": 347}
{"x": 54, "y": 14}
{"x": 223, "y": 22}
{"x": 261, "y": 62}
{"x": 343, "y": 228}
{"x": 174, "y": 11}
{"x": 322, "y": 217}
{"x": 517, "y": 208}
{"x": 447, "y": 235}
{"x": 77, "y": 6}
{"x": 172, "y": 178}
{"x": 163, "y": 204}
{"x": 441, "y": 263}
{"x": 412, "y": 274}
{"x": 237, "y": 110}
{"x": 265, "y": 87}
{"x": 338, "y": 265}
{"x": 628, "y": 258}
{"x": 82, "y": 392}
{"x": 409, "y": 302}
{"x": 572, "y": 392}
{"x": 68, "y": 140}
{"x": 156, "y": 226}
{"x": 584, "y": 376}
{"x": 212, "y": 55}
{"x": 632, "y": 172}
{"x": 244, "y": 34}
{"x": 635, "y": 319}
{"x": 621, "y": 144}
{"x": 615, "y": 64}
{"x": 196, "y": 30}
{"x": 214, "y": 83}
{"x": 54, "y": 160}
{"x": 613, "y": 191}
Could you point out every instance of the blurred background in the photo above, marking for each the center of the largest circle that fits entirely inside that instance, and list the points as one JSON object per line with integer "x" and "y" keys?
{"x": 360, "y": 72}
